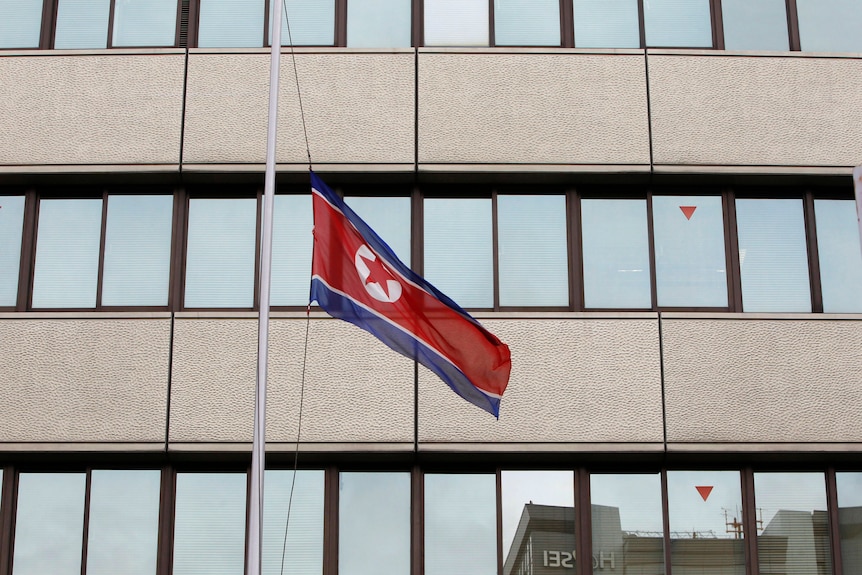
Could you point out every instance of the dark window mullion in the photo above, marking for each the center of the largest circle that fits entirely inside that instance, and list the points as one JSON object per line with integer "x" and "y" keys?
{"x": 813, "y": 255}
{"x": 7, "y": 506}
{"x": 330, "y": 520}
{"x": 85, "y": 535}
{"x": 499, "y": 500}
{"x": 111, "y": 11}
{"x": 495, "y": 257}
{"x": 167, "y": 498}
{"x": 48, "y": 25}
{"x": 492, "y": 41}
{"x": 100, "y": 274}
{"x": 417, "y": 521}
{"x": 834, "y": 521}
{"x": 567, "y": 24}
{"x": 793, "y": 26}
{"x": 717, "y": 25}
{"x": 341, "y": 22}
{"x": 417, "y": 243}
{"x": 179, "y": 23}
{"x": 642, "y": 23}
{"x": 665, "y": 512}
{"x": 176, "y": 253}
{"x": 182, "y": 255}
{"x": 28, "y": 250}
{"x": 418, "y": 18}
{"x": 733, "y": 271}
{"x": 652, "y": 265}
{"x": 266, "y": 9}
{"x": 576, "y": 251}
{"x": 749, "y": 521}
{"x": 257, "y": 251}
{"x": 583, "y": 523}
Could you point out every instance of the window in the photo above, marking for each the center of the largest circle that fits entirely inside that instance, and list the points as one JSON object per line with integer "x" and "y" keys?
{"x": 760, "y": 25}
{"x": 456, "y": 23}
{"x": 82, "y": 24}
{"x": 389, "y": 217}
{"x": 292, "y": 244}
{"x": 526, "y": 22}
{"x": 607, "y": 24}
{"x": 850, "y": 519}
{"x": 830, "y": 25}
{"x": 11, "y": 228}
{"x": 303, "y": 545}
{"x": 20, "y": 23}
{"x": 230, "y": 23}
{"x": 144, "y": 23}
{"x": 312, "y": 23}
{"x": 839, "y": 255}
{"x": 678, "y": 23}
{"x": 379, "y": 23}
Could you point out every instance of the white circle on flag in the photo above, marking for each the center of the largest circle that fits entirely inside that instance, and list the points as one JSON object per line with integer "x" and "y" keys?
{"x": 376, "y": 278}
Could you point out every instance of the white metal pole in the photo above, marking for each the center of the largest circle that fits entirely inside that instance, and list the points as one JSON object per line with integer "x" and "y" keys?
{"x": 857, "y": 185}
{"x": 255, "y": 523}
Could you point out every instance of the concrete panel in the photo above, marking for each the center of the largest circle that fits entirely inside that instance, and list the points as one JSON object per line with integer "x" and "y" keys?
{"x": 84, "y": 380}
{"x": 755, "y": 111}
{"x": 359, "y": 108}
{"x": 91, "y": 109}
{"x": 532, "y": 108}
{"x": 762, "y": 381}
{"x": 573, "y": 381}
{"x": 356, "y": 390}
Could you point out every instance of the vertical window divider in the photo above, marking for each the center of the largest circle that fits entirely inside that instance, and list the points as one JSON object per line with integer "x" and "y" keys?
{"x": 813, "y": 254}
{"x": 418, "y": 231}
{"x": 717, "y": 25}
{"x": 575, "y": 250}
{"x": 417, "y": 530}
{"x": 86, "y": 531}
{"x": 834, "y": 520}
{"x": 266, "y": 43}
{"x": 178, "y": 247}
{"x": 179, "y": 24}
{"x": 665, "y": 519}
{"x": 495, "y": 256}
{"x": 567, "y": 24}
{"x": 28, "y": 250}
{"x": 341, "y": 22}
{"x": 499, "y": 512}
{"x": 651, "y": 239}
{"x": 257, "y": 238}
{"x": 583, "y": 522}
{"x": 793, "y": 26}
{"x": 7, "y": 504}
{"x": 642, "y": 25}
{"x": 49, "y": 23}
{"x": 167, "y": 500}
{"x": 418, "y": 23}
{"x": 749, "y": 521}
{"x": 100, "y": 274}
{"x": 31, "y": 260}
{"x": 492, "y": 41}
{"x": 111, "y": 9}
{"x": 12, "y": 498}
{"x": 330, "y": 520}
{"x": 734, "y": 273}
{"x": 193, "y": 24}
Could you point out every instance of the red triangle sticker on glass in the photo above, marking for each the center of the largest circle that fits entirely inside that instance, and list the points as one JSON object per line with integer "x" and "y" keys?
{"x": 688, "y": 211}
{"x": 704, "y": 490}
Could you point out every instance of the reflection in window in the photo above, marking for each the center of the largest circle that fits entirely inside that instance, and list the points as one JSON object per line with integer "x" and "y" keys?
{"x": 532, "y": 241}
{"x": 82, "y": 24}
{"x": 830, "y": 25}
{"x": 627, "y": 523}
{"x": 379, "y": 23}
{"x": 616, "y": 254}
{"x": 690, "y": 259}
{"x": 760, "y": 25}
{"x": 374, "y": 523}
{"x": 456, "y": 22}
{"x": 678, "y": 23}
{"x": 850, "y": 520}
{"x": 67, "y": 254}
{"x": 460, "y": 524}
{"x": 773, "y": 257}
{"x": 124, "y": 522}
{"x": 607, "y": 24}
{"x": 705, "y": 510}
{"x": 538, "y": 520}
{"x": 292, "y": 223}
{"x": 312, "y": 23}
{"x": 209, "y": 530}
{"x": 145, "y": 23}
{"x": 303, "y": 547}
{"x": 839, "y": 254}
{"x": 389, "y": 217}
{"x": 21, "y": 24}
{"x": 220, "y": 258}
{"x": 458, "y": 251}
{"x": 794, "y": 536}
{"x": 11, "y": 228}
{"x": 49, "y": 524}
{"x": 527, "y": 22}
{"x": 230, "y": 24}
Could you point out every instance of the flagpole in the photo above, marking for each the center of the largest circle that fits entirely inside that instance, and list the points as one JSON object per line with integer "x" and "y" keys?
{"x": 255, "y": 524}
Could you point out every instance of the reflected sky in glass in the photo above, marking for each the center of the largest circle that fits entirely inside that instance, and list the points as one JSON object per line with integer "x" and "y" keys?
{"x": 231, "y": 24}
{"x": 312, "y": 23}
{"x": 690, "y": 261}
{"x": 374, "y": 523}
{"x": 840, "y": 255}
{"x": 137, "y": 250}
{"x": 850, "y": 520}
{"x": 11, "y": 227}
{"x": 615, "y": 245}
{"x": 773, "y": 257}
{"x": 830, "y": 25}
{"x": 220, "y": 256}
{"x": 774, "y": 492}
{"x": 49, "y": 525}
{"x": 527, "y": 22}
{"x": 389, "y": 217}
{"x": 690, "y": 513}
{"x": 678, "y": 23}
{"x": 379, "y": 23}
{"x": 145, "y": 23}
{"x": 292, "y": 224}
{"x": 21, "y": 24}
{"x": 458, "y": 249}
{"x": 456, "y": 22}
{"x": 124, "y": 522}
{"x": 532, "y": 251}
{"x": 607, "y": 24}
{"x": 760, "y": 25}
{"x": 209, "y": 531}
{"x": 67, "y": 254}
{"x": 520, "y": 488}
{"x": 460, "y": 524}
{"x": 303, "y": 550}
{"x": 82, "y": 24}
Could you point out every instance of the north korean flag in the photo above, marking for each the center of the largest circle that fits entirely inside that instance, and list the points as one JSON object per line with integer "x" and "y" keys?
{"x": 356, "y": 277}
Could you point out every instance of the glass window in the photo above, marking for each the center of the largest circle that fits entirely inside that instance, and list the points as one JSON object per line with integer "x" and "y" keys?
{"x": 137, "y": 251}
{"x": 124, "y": 522}
{"x": 830, "y": 25}
{"x": 538, "y": 521}
{"x": 773, "y": 257}
{"x": 458, "y": 249}
{"x": 705, "y": 509}
{"x": 21, "y": 24}
{"x": 220, "y": 260}
{"x": 850, "y": 520}
{"x": 460, "y": 524}
{"x": 760, "y": 25}
{"x": 230, "y": 24}
{"x": 389, "y": 217}
{"x": 82, "y": 24}
{"x": 678, "y": 23}
{"x": 690, "y": 261}
{"x": 607, "y": 24}
{"x": 374, "y": 523}
{"x": 793, "y": 524}
{"x": 527, "y": 22}
{"x": 145, "y": 23}
{"x": 292, "y": 242}
{"x": 209, "y": 530}
{"x": 67, "y": 254}
{"x": 312, "y": 23}
{"x": 456, "y": 22}
{"x": 616, "y": 254}
{"x": 49, "y": 524}
{"x": 303, "y": 547}
{"x": 11, "y": 228}
{"x": 533, "y": 260}
{"x": 839, "y": 254}
{"x": 379, "y": 23}
{"x": 627, "y": 523}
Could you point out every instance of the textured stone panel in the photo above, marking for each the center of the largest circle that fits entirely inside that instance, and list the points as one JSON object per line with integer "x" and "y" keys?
{"x": 359, "y": 108}
{"x": 573, "y": 381}
{"x": 763, "y": 380}
{"x": 744, "y": 111}
{"x": 356, "y": 389}
{"x": 532, "y": 108}
{"x": 91, "y": 109}
{"x": 83, "y": 380}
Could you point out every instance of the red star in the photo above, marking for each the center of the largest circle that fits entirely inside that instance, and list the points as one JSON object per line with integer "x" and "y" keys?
{"x": 377, "y": 273}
